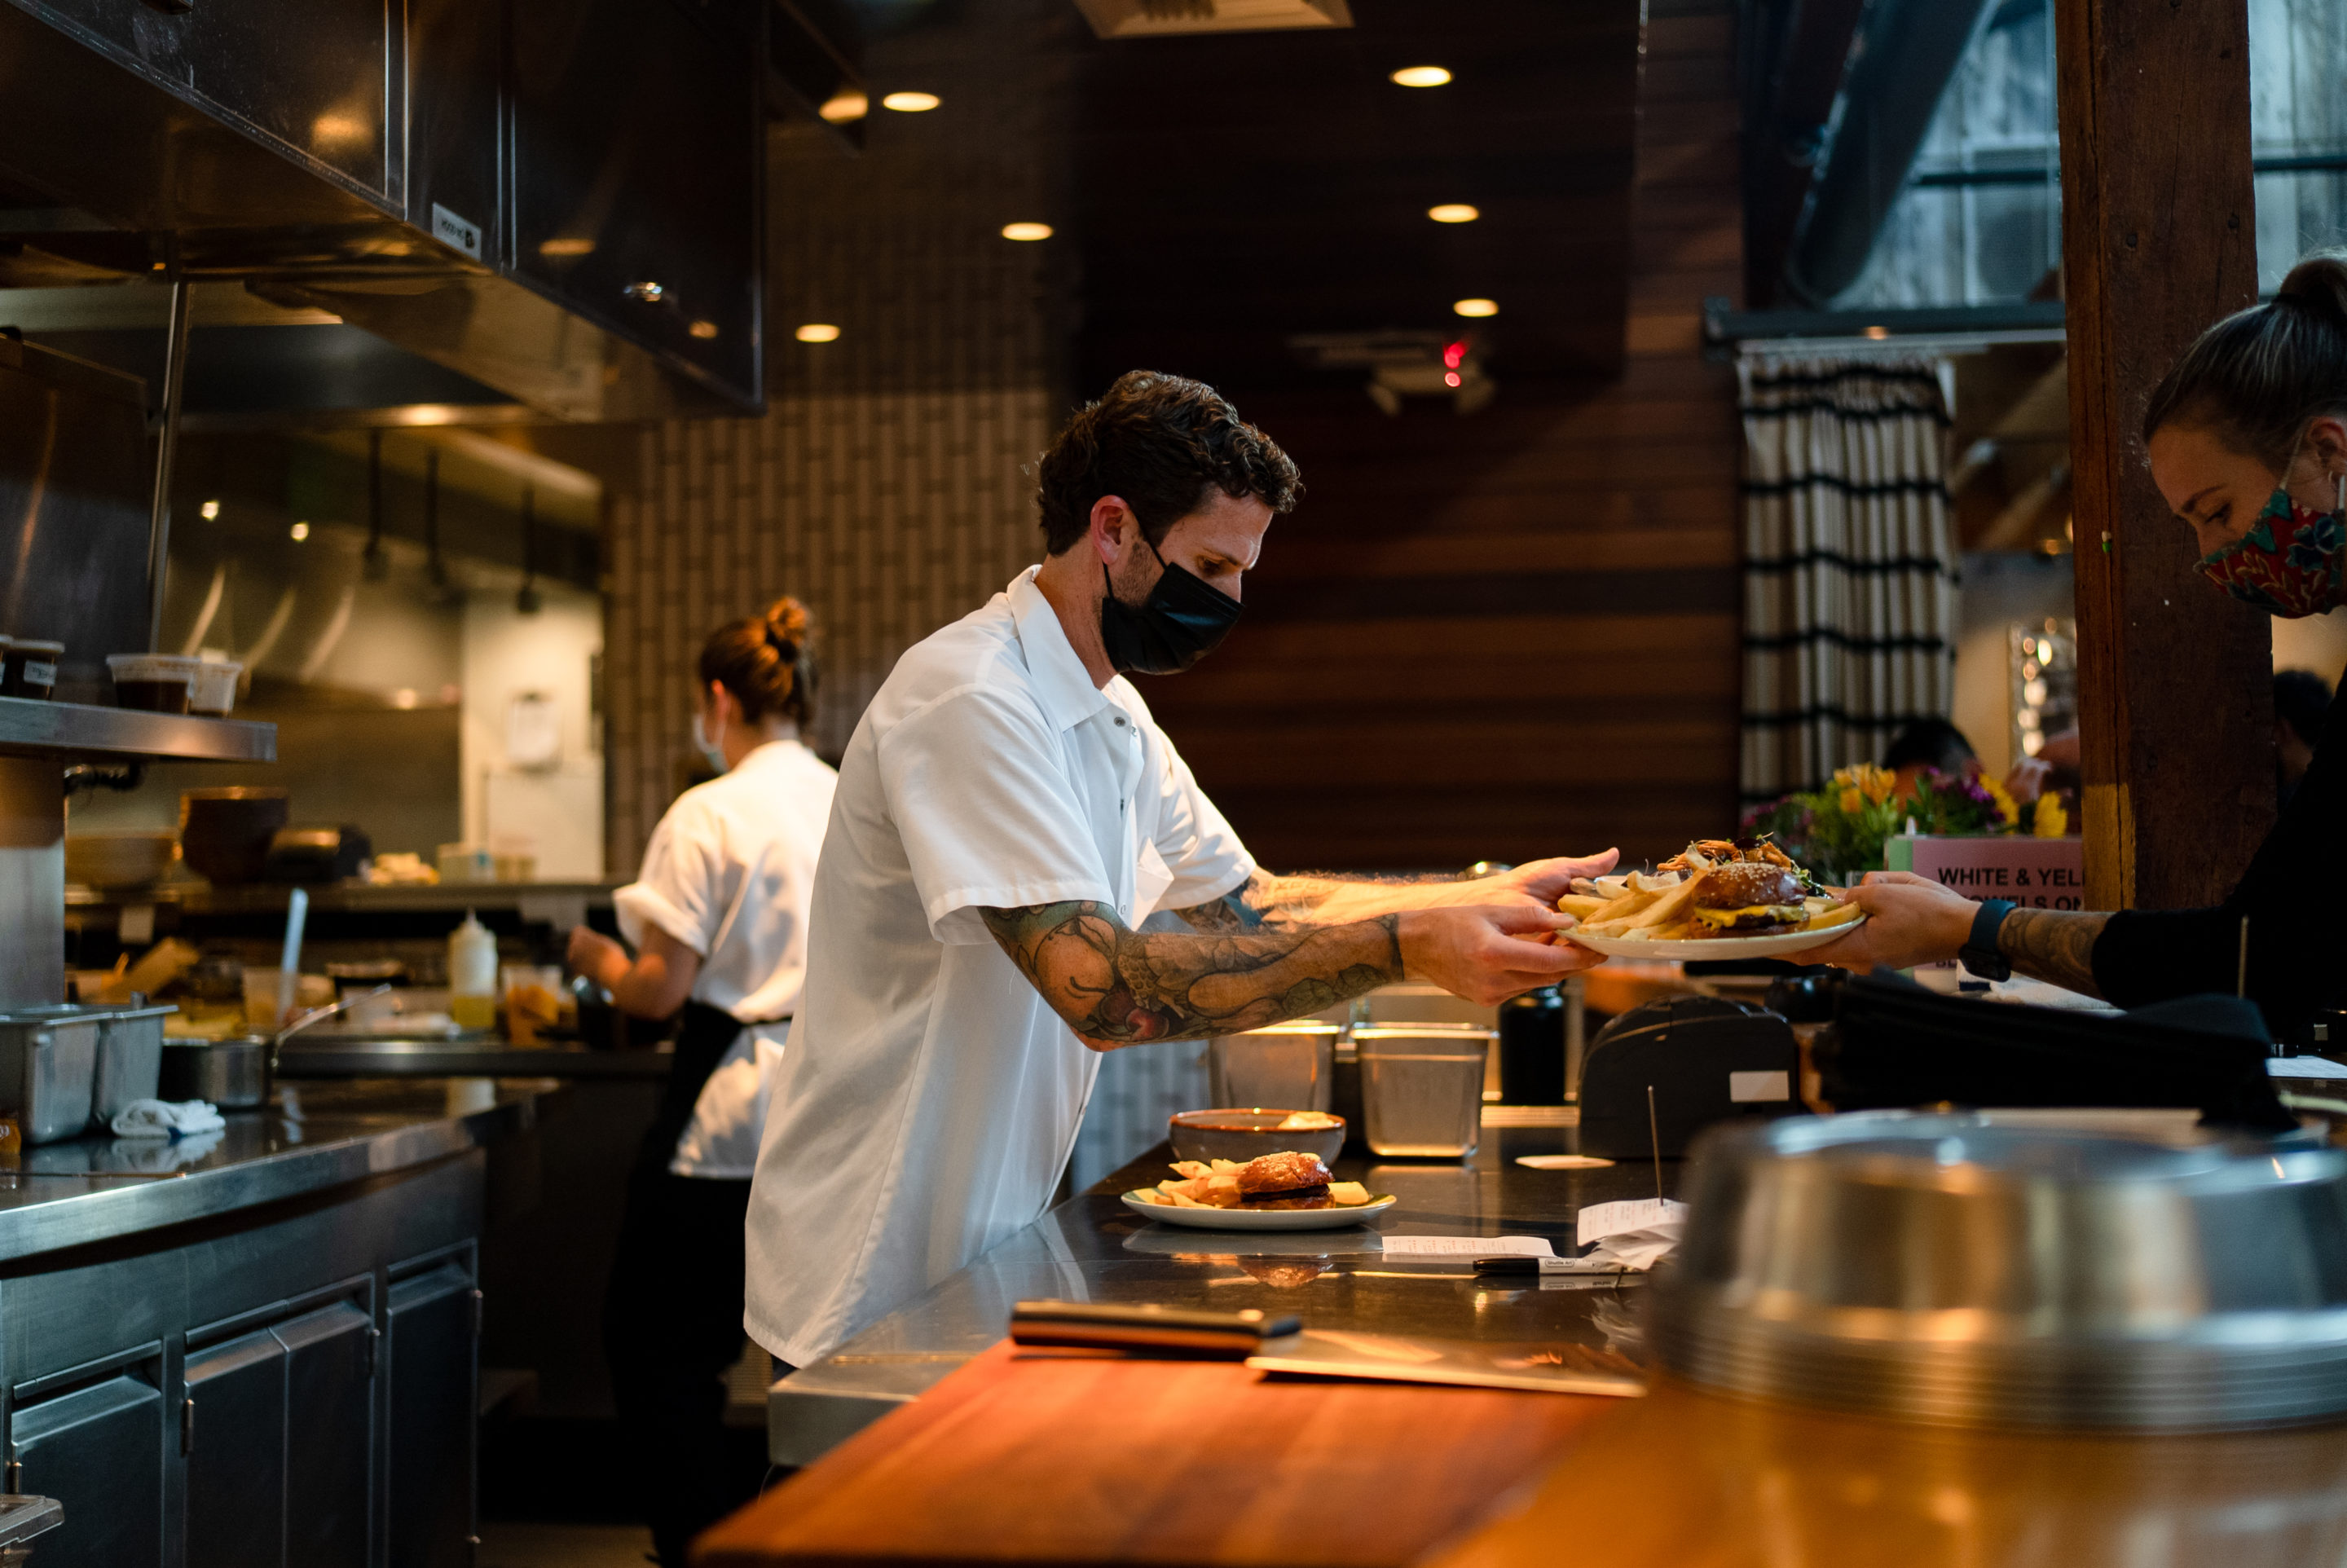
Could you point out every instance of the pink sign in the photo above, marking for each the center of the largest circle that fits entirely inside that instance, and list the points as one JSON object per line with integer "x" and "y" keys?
{"x": 2037, "y": 873}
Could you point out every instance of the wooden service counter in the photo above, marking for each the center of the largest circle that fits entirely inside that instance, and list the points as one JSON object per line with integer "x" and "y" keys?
{"x": 1070, "y": 1459}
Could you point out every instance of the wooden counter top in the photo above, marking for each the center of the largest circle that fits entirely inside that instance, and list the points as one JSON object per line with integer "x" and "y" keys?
{"x": 1067, "y": 1458}
{"x": 1684, "y": 1479}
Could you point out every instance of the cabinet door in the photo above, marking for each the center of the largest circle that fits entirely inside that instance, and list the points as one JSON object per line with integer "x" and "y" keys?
{"x": 330, "y": 1430}
{"x": 429, "y": 1381}
{"x": 99, "y": 1450}
{"x": 235, "y": 1435}
{"x": 310, "y": 72}
{"x": 636, "y": 148}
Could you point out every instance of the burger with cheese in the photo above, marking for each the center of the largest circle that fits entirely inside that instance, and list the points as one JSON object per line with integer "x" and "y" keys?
{"x": 1745, "y": 898}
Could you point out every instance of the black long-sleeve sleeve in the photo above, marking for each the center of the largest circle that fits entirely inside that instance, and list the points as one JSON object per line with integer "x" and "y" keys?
{"x": 2294, "y": 895}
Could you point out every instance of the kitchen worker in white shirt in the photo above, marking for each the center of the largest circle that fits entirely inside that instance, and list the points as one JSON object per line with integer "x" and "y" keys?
{"x": 718, "y": 916}
{"x": 1008, "y": 816}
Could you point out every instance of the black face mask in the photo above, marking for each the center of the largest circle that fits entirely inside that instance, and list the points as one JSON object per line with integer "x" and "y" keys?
{"x": 1178, "y": 624}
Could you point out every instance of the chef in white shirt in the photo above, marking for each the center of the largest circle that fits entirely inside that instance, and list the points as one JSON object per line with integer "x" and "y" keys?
{"x": 1007, "y": 814}
{"x": 718, "y": 919}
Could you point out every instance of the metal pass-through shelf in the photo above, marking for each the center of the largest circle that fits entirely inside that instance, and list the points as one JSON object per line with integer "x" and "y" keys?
{"x": 30, "y": 727}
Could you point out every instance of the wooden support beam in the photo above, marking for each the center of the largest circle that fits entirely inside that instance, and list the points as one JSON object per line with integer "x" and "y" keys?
{"x": 2158, "y": 240}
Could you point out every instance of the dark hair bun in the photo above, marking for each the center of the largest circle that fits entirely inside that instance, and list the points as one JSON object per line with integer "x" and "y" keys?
{"x": 787, "y": 628}
{"x": 2319, "y": 283}
{"x": 763, "y": 660}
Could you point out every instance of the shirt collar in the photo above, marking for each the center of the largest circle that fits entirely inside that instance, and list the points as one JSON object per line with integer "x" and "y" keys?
{"x": 1061, "y": 684}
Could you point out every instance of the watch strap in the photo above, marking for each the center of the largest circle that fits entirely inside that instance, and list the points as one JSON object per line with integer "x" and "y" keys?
{"x": 1980, "y": 953}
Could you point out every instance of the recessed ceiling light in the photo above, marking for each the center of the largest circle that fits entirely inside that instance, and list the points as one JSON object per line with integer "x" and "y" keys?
{"x": 1421, "y": 76}
{"x": 1454, "y": 212}
{"x": 210, "y": 510}
{"x": 841, "y": 107}
{"x": 300, "y": 531}
{"x": 703, "y": 330}
{"x": 910, "y": 103}
{"x": 1476, "y": 307}
{"x": 1027, "y": 232}
{"x": 817, "y": 331}
{"x": 565, "y": 245}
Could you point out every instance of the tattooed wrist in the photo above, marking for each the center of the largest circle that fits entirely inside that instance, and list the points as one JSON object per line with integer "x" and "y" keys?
{"x": 1116, "y": 986}
{"x": 2056, "y": 946}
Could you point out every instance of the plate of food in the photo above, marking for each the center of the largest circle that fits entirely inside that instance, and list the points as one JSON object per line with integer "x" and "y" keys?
{"x": 1744, "y": 898}
{"x": 1288, "y": 1191}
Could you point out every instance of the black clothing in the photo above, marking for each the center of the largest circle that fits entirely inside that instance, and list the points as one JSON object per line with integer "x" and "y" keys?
{"x": 2292, "y": 897}
{"x": 673, "y": 1313}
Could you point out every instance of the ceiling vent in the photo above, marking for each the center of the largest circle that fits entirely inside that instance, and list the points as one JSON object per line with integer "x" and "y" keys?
{"x": 1169, "y": 18}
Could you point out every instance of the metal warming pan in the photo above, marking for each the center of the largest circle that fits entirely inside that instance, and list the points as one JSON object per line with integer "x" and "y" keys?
{"x": 1981, "y": 1271}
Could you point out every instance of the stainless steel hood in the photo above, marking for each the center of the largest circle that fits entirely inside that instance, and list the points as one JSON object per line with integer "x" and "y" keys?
{"x": 558, "y": 201}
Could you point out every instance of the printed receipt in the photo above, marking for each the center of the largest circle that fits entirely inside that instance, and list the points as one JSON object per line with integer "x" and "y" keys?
{"x": 1469, "y": 1246}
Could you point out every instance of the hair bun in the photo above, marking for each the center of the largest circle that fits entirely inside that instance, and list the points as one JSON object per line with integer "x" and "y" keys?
{"x": 786, "y": 625}
{"x": 2320, "y": 282}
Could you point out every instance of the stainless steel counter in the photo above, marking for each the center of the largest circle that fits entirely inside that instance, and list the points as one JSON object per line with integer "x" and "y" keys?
{"x": 1092, "y": 1248}
{"x": 322, "y": 1054}
{"x": 315, "y": 1137}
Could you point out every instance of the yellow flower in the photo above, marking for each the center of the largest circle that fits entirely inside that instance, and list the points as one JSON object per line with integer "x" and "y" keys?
{"x": 2006, "y": 807}
{"x": 1851, "y": 802}
{"x": 2050, "y": 821}
{"x": 1878, "y": 783}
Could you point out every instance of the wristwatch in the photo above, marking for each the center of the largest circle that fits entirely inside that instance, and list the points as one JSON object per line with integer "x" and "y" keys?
{"x": 1980, "y": 953}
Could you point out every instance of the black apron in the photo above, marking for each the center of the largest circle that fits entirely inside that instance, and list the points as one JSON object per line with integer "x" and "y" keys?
{"x": 706, "y": 1035}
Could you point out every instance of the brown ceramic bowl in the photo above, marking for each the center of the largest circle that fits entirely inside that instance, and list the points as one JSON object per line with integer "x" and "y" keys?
{"x": 1245, "y": 1134}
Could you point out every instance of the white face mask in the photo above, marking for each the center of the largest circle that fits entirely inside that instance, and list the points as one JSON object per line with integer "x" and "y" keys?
{"x": 708, "y": 749}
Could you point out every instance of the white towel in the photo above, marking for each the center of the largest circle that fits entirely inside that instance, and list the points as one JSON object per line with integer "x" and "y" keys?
{"x": 167, "y": 1119}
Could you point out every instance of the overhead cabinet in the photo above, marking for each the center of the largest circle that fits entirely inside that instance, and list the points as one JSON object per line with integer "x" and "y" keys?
{"x": 558, "y": 199}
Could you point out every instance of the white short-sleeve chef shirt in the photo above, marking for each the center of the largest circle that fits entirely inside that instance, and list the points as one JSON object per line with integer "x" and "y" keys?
{"x": 931, "y": 1096}
{"x": 729, "y": 873}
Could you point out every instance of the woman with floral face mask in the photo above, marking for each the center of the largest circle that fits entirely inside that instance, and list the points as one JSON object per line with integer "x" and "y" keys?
{"x": 2247, "y": 437}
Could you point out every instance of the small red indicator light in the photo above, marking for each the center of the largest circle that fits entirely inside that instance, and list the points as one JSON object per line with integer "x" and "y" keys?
{"x": 1454, "y": 355}
{"x": 1450, "y": 378}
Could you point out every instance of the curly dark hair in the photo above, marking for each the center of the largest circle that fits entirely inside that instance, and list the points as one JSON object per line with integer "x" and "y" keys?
{"x": 1160, "y": 444}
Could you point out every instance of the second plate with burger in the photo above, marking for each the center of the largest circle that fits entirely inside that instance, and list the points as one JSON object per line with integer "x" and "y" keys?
{"x": 1719, "y": 899}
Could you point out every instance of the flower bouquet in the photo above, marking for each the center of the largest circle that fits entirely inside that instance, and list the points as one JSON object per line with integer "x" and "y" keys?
{"x": 1841, "y": 829}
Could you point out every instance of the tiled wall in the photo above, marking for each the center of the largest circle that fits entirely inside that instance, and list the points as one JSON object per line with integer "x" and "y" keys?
{"x": 885, "y": 486}
{"x": 888, "y": 514}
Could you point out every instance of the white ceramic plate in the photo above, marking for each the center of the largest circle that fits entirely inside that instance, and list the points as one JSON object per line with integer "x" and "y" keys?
{"x": 1257, "y": 1219}
{"x": 1774, "y": 946}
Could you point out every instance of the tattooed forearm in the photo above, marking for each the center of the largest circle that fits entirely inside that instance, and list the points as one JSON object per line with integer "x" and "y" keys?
{"x": 1318, "y": 898}
{"x": 2056, "y": 946}
{"x": 1120, "y": 987}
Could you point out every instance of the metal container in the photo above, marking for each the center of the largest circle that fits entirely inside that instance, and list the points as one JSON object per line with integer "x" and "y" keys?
{"x": 1285, "y": 1065}
{"x": 1422, "y": 1088}
{"x": 232, "y": 1074}
{"x": 2115, "y": 1270}
{"x": 49, "y": 1070}
{"x": 130, "y": 1058}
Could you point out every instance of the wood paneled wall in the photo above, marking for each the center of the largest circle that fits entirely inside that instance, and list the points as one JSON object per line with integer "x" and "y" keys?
{"x": 1517, "y": 633}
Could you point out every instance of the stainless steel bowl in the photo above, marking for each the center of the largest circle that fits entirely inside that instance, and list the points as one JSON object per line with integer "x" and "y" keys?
{"x": 1977, "y": 1270}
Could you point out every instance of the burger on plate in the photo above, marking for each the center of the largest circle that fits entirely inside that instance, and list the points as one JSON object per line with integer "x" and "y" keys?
{"x": 1747, "y": 898}
{"x": 1291, "y": 1181}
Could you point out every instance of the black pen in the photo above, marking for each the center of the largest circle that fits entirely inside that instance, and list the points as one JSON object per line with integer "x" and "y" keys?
{"x": 1526, "y": 1265}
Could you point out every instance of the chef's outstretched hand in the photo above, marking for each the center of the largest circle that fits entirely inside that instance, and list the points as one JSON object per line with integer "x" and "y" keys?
{"x": 1910, "y": 921}
{"x": 1537, "y": 883}
{"x": 1489, "y": 952}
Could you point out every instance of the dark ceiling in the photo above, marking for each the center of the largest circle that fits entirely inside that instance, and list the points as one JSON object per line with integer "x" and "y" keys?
{"x": 1239, "y": 189}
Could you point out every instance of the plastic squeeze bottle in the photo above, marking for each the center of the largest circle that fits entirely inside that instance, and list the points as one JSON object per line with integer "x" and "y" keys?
{"x": 473, "y": 974}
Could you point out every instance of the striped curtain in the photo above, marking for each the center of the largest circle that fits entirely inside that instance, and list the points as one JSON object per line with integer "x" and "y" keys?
{"x": 1850, "y": 566}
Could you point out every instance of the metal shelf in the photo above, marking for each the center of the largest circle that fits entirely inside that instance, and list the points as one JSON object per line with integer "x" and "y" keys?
{"x": 31, "y": 727}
